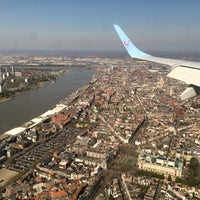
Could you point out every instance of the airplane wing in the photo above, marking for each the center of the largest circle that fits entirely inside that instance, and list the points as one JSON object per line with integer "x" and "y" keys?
{"x": 186, "y": 71}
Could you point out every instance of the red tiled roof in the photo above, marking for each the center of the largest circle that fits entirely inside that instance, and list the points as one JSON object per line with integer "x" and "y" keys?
{"x": 58, "y": 194}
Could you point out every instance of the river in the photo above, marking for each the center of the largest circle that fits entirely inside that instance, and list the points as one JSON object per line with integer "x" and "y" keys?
{"x": 26, "y": 106}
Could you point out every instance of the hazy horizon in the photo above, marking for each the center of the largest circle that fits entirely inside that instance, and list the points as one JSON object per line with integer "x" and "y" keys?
{"x": 88, "y": 25}
{"x": 85, "y": 53}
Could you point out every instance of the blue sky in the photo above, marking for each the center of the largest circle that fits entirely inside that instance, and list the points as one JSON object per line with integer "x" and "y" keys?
{"x": 87, "y": 24}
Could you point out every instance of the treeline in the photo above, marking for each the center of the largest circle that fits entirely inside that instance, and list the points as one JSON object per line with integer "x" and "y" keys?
{"x": 195, "y": 105}
{"x": 150, "y": 174}
{"x": 192, "y": 178}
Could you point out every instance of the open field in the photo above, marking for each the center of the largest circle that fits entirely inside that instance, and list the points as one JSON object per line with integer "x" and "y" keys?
{"x": 6, "y": 175}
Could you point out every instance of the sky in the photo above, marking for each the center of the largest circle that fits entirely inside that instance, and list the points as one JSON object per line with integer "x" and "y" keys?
{"x": 153, "y": 25}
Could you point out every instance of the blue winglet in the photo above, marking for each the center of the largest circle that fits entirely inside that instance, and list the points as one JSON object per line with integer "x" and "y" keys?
{"x": 133, "y": 51}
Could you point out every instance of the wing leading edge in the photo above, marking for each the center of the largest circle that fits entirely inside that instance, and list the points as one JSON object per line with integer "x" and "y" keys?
{"x": 186, "y": 71}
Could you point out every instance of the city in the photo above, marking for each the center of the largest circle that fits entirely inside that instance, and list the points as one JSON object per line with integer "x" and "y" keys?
{"x": 124, "y": 135}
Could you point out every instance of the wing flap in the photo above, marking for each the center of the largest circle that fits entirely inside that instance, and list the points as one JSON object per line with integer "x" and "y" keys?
{"x": 189, "y": 76}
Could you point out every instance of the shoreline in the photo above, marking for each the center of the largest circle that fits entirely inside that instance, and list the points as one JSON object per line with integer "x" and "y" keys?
{"x": 5, "y": 99}
{"x": 57, "y": 107}
{"x": 8, "y": 174}
{"x": 39, "y": 119}
{"x": 40, "y": 84}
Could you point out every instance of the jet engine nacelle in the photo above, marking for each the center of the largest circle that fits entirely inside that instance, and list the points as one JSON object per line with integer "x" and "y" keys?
{"x": 190, "y": 91}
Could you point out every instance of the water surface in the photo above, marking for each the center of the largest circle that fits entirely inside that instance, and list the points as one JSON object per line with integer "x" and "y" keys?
{"x": 26, "y": 106}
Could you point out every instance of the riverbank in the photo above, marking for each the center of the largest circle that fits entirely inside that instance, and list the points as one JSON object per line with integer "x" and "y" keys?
{"x": 32, "y": 87}
{"x": 26, "y": 106}
{"x": 4, "y": 99}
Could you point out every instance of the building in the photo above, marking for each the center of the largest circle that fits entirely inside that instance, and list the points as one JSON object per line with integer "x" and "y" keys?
{"x": 63, "y": 164}
{"x": 61, "y": 119}
{"x": 92, "y": 161}
{"x": 160, "y": 165}
{"x": 94, "y": 154}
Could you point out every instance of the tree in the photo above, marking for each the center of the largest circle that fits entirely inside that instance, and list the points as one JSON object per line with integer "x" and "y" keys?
{"x": 181, "y": 180}
{"x": 194, "y": 173}
{"x": 143, "y": 191}
{"x": 169, "y": 178}
{"x": 184, "y": 162}
{"x": 111, "y": 197}
{"x": 194, "y": 168}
